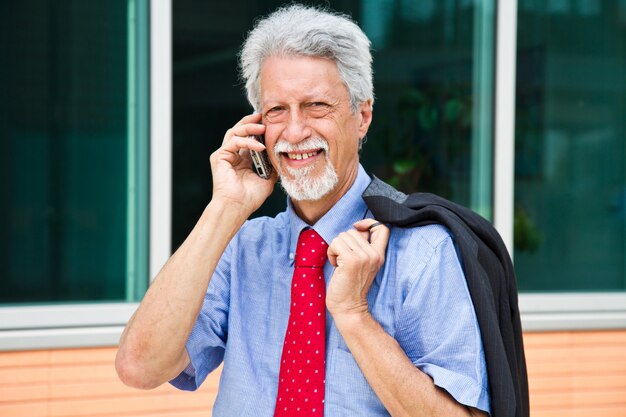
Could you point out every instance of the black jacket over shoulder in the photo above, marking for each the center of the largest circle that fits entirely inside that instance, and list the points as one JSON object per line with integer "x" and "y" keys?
{"x": 490, "y": 279}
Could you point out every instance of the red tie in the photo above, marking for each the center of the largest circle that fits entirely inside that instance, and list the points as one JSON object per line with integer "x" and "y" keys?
{"x": 302, "y": 366}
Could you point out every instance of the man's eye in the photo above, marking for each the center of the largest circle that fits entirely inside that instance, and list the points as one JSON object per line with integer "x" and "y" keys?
{"x": 318, "y": 108}
{"x": 275, "y": 113}
{"x": 274, "y": 110}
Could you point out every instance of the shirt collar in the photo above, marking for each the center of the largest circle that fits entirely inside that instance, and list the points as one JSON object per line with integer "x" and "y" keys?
{"x": 347, "y": 211}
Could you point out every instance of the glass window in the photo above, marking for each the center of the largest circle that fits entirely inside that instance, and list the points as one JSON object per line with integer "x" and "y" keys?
{"x": 73, "y": 122}
{"x": 570, "y": 184}
{"x": 432, "y": 78}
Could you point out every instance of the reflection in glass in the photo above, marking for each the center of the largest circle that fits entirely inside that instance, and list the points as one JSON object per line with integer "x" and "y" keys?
{"x": 72, "y": 122}
{"x": 570, "y": 189}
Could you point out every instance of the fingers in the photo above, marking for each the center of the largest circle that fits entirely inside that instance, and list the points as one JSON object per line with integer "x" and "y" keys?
{"x": 353, "y": 246}
{"x": 358, "y": 242}
{"x": 240, "y": 137}
{"x": 378, "y": 233}
{"x": 236, "y": 143}
{"x": 247, "y": 127}
{"x": 336, "y": 247}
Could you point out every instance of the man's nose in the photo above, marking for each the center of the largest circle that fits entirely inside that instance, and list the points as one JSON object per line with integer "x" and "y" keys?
{"x": 297, "y": 128}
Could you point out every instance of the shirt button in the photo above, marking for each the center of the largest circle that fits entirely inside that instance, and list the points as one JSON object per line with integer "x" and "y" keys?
{"x": 291, "y": 255}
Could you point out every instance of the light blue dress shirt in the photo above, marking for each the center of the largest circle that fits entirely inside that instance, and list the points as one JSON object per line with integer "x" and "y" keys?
{"x": 419, "y": 297}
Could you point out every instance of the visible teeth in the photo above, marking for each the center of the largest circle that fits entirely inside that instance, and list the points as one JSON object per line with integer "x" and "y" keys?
{"x": 301, "y": 155}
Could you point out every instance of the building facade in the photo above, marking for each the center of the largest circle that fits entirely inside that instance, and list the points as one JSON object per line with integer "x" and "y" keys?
{"x": 109, "y": 111}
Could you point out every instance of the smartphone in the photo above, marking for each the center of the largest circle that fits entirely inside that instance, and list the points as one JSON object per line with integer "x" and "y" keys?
{"x": 260, "y": 160}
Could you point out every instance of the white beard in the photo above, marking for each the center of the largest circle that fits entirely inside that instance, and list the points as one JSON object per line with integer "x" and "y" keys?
{"x": 298, "y": 184}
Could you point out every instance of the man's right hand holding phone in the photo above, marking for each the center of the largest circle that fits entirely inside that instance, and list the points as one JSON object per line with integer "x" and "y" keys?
{"x": 152, "y": 347}
{"x": 234, "y": 180}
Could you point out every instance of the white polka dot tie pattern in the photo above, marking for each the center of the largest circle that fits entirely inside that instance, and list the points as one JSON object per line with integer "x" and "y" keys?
{"x": 302, "y": 367}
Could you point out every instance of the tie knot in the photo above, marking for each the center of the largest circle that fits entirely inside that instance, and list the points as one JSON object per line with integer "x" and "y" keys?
{"x": 311, "y": 249}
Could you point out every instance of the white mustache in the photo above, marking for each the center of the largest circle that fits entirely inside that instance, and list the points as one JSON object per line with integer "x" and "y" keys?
{"x": 282, "y": 146}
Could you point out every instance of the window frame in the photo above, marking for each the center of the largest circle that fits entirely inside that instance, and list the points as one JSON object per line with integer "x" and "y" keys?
{"x": 100, "y": 324}
{"x": 71, "y": 325}
{"x": 539, "y": 311}
{"x": 573, "y": 311}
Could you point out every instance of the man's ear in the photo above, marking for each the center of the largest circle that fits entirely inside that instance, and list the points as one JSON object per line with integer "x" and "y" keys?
{"x": 365, "y": 113}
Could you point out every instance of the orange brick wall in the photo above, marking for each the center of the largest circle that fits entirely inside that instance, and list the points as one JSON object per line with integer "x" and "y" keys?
{"x": 83, "y": 383}
{"x": 571, "y": 374}
{"x": 577, "y": 374}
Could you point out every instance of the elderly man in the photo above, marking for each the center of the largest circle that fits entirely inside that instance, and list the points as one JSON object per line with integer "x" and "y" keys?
{"x": 320, "y": 310}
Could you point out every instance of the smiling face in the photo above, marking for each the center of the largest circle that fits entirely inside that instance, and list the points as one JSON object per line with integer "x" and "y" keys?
{"x": 311, "y": 133}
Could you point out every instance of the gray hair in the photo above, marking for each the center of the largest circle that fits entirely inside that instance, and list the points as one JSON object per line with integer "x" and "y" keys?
{"x": 298, "y": 30}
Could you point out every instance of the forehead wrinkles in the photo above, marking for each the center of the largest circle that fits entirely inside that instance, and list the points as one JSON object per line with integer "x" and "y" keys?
{"x": 300, "y": 79}
{"x": 293, "y": 96}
